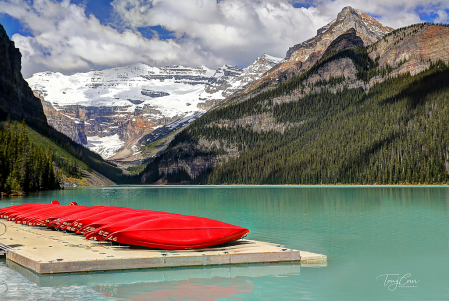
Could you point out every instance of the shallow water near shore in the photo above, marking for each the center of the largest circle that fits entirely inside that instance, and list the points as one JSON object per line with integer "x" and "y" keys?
{"x": 382, "y": 243}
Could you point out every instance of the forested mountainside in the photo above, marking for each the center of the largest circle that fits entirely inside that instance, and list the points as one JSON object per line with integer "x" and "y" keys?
{"x": 23, "y": 166}
{"x": 361, "y": 115}
{"x": 30, "y": 147}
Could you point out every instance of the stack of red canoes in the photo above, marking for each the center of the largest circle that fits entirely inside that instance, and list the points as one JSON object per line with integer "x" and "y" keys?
{"x": 146, "y": 228}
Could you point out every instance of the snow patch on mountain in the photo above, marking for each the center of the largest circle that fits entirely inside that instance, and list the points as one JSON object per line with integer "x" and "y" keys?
{"x": 106, "y": 146}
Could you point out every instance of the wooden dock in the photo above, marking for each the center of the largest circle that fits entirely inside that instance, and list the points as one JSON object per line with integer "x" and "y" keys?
{"x": 47, "y": 251}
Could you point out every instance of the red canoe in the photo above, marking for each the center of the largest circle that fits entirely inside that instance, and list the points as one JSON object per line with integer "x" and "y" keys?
{"x": 93, "y": 217}
{"x": 26, "y": 218}
{"x": 87, "y": 220}
{"x": 8, "y": 214}
{"x": 17, "y": 216}
{"x": 101, "y": 232}
{"x": 67, "y": 220}
{"x": 4, "y": 212}
{"x": 53, "y": 211}
{"x": 109, "y": 220}
{"x": 54, "y": 214}
{"x": 39, "y": 218}
{"x": 57, "y": 218}
{"x": 45, "y": 217}
{"x": 88, "y": 223}
{"x": 178, "y": 232}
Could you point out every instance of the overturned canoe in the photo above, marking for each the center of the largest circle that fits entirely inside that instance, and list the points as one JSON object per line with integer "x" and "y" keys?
{"x": 9, "y": 213}
{"x": 112, "y": 219}
{"x": 46, "y": 213}
{"x": 178, "y": 232}
{"x": 67, "y": 220}
{"x": 91, "y": 217}
{"x": 100, "y": 233}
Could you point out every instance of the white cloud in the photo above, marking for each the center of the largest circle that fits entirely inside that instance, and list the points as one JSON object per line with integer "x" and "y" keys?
{"x": 67, "y": 40}
{"x": 442, "y": 17}
{"x": 206, "y": 32}
{"x": 235, "y": 30}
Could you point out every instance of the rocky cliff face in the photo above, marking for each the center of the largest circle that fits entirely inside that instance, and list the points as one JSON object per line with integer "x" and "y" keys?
{"x": 116, "y": 111}
{"x": 304, "y": 55}
{"x": 16, "y": 98}
{"x": 411, "y": 48}
{"x": 221, "y": 81}
{"x": 346, "y": 40}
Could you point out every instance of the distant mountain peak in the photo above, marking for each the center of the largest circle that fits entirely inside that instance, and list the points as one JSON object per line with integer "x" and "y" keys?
{"x": 304, "y": 55}
{"x": 367, "y": 28}
{"x": 233, "y": 79}
{"x": 268, "y": 58}
{"x": 349, "y": 10}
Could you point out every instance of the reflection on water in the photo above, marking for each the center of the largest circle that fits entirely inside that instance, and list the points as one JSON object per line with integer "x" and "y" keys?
{"x": 158, "y": 275}
{"x": 192, "y": 289}
{"x": 15, "y": 287}
{"x": 200, "y": 283}
{"x": 365, "y": 231}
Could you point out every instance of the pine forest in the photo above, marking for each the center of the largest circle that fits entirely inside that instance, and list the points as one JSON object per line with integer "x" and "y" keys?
{"x": 24, "y": 167}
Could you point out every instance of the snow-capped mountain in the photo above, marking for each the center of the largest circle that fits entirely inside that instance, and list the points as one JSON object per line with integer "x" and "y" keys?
{"x": 112, "y": 110}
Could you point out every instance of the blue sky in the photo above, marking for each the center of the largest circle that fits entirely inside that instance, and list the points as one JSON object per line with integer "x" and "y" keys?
{"x": 78, "y": 35}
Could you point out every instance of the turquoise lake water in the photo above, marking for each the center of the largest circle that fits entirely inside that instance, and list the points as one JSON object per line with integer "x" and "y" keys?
{"x": 372, "y": 235}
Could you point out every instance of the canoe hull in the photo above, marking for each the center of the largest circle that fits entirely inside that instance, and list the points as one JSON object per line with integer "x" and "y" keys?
{"x": 178, "y": 232}
{"x": 141, "y": 238}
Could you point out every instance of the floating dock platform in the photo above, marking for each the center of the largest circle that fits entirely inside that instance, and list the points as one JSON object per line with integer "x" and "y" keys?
{"x": 47, "y": 251}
